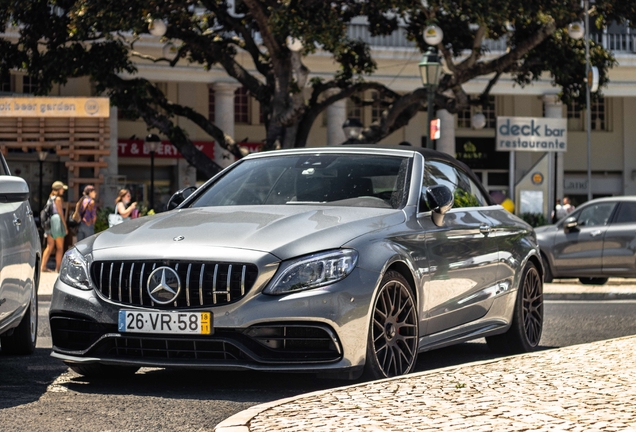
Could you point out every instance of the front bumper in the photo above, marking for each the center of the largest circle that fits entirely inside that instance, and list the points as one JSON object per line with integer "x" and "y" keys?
{"x": 319, "y": 330}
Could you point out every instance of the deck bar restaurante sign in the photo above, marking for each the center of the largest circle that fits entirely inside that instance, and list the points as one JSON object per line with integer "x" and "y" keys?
{"x": 54, "y": 107}
{"x": 532, "y": 134}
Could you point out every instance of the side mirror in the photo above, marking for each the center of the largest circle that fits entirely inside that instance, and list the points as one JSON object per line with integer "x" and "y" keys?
{"x": 440, "y": 201}
{"x": 13, "y": 189}
{"x": 180, "y": 196}
{"x": 570, "y": 223}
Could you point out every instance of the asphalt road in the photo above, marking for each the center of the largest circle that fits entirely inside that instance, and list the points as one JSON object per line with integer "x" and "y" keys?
{"x": 40, "y": 393}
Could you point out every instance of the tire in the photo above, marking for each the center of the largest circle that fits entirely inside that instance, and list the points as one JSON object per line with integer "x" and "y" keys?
{"x": 25, "y": 335}
{"x": 524, "y": 333}
{"x": 593, "y": 281}
{"x": 98, "y": 370}
{"x": 547, "y": 271}
{"x": 393, "y": 334}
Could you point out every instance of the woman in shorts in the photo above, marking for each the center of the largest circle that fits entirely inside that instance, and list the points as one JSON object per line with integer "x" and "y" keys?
{"x": 55, "y": 235}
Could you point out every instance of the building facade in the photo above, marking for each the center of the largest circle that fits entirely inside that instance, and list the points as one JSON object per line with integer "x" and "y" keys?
{"x": 613, "y": 155}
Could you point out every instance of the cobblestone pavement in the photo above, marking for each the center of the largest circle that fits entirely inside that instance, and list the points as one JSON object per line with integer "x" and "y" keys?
{"x": 589, "y": 387}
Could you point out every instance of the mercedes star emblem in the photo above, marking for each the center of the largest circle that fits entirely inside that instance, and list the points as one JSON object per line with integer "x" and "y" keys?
{"x": 164, "y": 285}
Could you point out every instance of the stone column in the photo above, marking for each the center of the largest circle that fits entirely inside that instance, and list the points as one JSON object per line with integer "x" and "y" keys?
{"x": 446, "y": 141}
{"x": 553, "y": 108}
{"x": 336, "y": 116}
{"x": 629, "y": 146}
{"x": 224, "y": 118}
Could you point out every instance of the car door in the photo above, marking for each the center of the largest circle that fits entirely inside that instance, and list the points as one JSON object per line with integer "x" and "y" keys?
{"x": 462, "y": 257}
{"x": 579, "y": 250}
{"x": 619, "y": 243}
{"x": 14, "y": 242}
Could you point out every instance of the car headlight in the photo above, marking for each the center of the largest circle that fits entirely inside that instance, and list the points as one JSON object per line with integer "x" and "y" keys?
{"x": 314, "y": 271}
{"x": 74, "y": 270}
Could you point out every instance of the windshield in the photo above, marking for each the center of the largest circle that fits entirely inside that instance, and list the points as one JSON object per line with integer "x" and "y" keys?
{"x": 333, "y": 179}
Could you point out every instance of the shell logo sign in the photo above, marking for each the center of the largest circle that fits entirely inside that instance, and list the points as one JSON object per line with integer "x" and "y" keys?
{"x": 54, "y": 107}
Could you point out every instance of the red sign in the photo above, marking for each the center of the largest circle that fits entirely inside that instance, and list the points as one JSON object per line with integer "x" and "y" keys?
{"x": 435, "y": 129}
{"x": 137, "y": 148}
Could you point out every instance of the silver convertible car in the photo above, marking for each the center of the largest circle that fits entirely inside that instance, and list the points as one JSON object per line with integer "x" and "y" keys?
{"x": 339, "y": 261}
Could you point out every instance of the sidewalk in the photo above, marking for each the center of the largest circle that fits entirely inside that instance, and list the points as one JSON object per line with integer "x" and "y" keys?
{"x": 551, "y": 390}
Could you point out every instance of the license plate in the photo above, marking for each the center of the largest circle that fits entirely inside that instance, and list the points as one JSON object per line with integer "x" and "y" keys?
{"x": 165, "y": 322}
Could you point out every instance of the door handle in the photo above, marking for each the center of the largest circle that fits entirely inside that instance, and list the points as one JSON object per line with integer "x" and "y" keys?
{"x": 17, "y": 222}
{"x": 484, "y": 229}
{"x": 595, "y": 233}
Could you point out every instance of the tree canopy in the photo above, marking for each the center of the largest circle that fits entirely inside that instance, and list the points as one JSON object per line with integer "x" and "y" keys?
{"x": 54, "y": 40}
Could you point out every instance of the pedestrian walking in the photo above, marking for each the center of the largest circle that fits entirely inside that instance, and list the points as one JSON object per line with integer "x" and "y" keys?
{"x": 88, "y": 212}
{"x": 123, "y": 206}
{"x": 57, "y": 229}
{"x": 559, "y": 212}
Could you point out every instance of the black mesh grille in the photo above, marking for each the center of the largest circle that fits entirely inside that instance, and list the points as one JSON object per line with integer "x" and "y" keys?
{"x": 172, "y": 349}
{"x": 202, "y": 283}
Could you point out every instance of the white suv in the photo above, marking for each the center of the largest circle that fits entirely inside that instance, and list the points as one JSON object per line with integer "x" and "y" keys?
{"x": 20, "y": 255}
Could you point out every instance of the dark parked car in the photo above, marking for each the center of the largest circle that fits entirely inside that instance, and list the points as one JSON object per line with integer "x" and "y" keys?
{"x": 595, "y": 242}
{"x": 332, "y": 260}
{"x": 20, "y": 256}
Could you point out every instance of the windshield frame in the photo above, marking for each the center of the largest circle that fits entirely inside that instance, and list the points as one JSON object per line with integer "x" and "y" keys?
{"x": 191, "y": 201}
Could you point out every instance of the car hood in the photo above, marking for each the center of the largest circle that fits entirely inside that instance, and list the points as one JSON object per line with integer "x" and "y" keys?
{"x": 284, "y": 231}
{"x": 545, "y": 228}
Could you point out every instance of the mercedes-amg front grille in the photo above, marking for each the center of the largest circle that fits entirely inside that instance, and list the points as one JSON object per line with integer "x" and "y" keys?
{"x": 201, "y": 283}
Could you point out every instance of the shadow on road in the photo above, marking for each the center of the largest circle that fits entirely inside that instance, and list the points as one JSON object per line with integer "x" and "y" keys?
{"x": 24, "y": 379}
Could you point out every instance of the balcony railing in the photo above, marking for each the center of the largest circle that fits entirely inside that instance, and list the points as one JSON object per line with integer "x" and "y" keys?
{"x": 616, "y": 42}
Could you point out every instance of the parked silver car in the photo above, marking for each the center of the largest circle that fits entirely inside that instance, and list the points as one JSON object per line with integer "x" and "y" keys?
{"x": 332, "y": 260}
{"x": 20, "y": 256}
{"x": 595, "y": 242}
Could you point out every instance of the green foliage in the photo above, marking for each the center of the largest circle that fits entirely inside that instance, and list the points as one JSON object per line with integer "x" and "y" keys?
{"x": 101, "y": 223}
{"x": 99, "y": 39}
{"x": 534, "y": 219}
{"x": 464, "y": 199}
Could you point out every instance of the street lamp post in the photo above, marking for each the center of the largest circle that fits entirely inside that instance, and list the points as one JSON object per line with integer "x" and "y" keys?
{"x": 352, "y": 128}
{"x": 42, "y": 154}
{"x": 588, "y": 114}
{"x": 153, "y": 142}
{"x": 430, "y": 67}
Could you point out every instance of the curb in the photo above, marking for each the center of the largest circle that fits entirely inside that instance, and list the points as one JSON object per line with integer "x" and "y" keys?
{"x": 590, "y": 296}
{"x": 44, "y": 297}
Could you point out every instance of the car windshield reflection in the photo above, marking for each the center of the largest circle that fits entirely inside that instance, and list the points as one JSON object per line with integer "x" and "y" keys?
{"x": 344, "y": 180}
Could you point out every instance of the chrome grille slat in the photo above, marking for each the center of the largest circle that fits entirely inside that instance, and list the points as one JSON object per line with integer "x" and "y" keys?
{"x": 121, "y": 272}
{"x": 188, "y": 285}
{"x": 151, "y": 270}
{"x": 243, "y": 280}
{"x": 141, "y": 284}
{"x": 217, "y": 283}
{"x": 201, "y": 285}
{"x": 130, "y": 283}
{"x": 110, "y": 283}
{"x": 176, "y": 268}
{"x": 216, "y": 270}
{"x": 227, "y": 284}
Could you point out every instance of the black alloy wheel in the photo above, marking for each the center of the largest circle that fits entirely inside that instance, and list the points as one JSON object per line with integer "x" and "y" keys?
{"x": 393, "y": 336}
{"x": 525, "y": 330}
{"x": 533, "y": 306}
